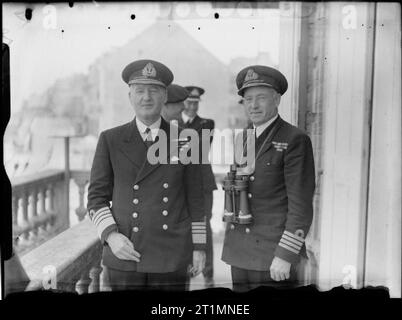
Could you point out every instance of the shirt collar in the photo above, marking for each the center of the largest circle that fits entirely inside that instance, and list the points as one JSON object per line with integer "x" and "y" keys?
{"x": 186, "y": 118}
{"x": 154, "y": 127}
{"x": 260, "y": 129}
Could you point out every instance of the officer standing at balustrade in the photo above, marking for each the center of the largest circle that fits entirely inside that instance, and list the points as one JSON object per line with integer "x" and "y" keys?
{"x": 280, "y": 190}
{"x": 190, "y": 119}
{"x": 144, "y": 212}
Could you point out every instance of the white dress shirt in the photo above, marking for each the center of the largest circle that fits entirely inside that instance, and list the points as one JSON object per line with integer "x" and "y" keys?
{"x": 260, "y": 129}
{"x": 186, "y": 118}
{"x": 142, "y": 127}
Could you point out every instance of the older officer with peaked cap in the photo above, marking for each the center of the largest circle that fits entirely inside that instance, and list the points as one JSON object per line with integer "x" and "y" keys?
{"x": 144, "y": 213}
{"x": 191, "y": 120}
{"x": 281, "y": 190}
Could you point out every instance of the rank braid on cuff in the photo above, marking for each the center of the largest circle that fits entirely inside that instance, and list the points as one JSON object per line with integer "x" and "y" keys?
{"x": 102, "y": 218}
{"x": 291, "y": 241}
{"x": 199, "y": 232}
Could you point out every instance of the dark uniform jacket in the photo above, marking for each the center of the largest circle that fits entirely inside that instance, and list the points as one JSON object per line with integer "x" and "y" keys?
{"x": 198, "y": 123}
{"x": 281, "y": 201}
{"x": 155, "y": 206}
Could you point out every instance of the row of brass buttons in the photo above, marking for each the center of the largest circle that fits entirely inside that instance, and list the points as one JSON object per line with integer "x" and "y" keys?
{"x": 164, "y": 212}
{"x": 137, "y": 187}
{"x": 165, "y": 200}
{"x": 164, "y": 227}
{"x": 232, "y": 226}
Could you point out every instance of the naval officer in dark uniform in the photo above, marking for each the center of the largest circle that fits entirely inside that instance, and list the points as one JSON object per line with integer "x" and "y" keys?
{"x": 149, "y": 217}
{"x": 191, "y": 119}
{"x": 174, "y": 106}
{"x": 281, "y": 190}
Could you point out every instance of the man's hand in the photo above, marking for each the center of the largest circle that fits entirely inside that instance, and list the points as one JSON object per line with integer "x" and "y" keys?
{"x": 280, "y": 269}
{"x": 122, "y": 247}
{"x": 198, "y": 262}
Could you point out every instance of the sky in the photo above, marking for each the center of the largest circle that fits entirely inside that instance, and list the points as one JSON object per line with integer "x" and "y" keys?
{"x": 59, "y": 41}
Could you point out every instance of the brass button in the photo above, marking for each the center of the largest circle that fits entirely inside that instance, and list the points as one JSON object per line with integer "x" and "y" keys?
{"x": 135, "y": 215}
{"x": 166, "y": 185}
{"x": 269, "y": 163}
{"x": 135, "y": 201}
{"x": 135, "y": 229}
{"x": 252, "y": 178}
{"x": 165, "y": 212}
{"x": 232, "y": 226}
{"x": 136, "y": 187}
{"x": 250, "y": 195}
{"x": 165, "y": 227}
{"x": 165, "y": 199}
{"x": 247, "y": 230}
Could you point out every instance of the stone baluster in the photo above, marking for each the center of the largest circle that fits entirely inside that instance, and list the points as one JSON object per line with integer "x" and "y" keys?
{"x": 81, "y": 210}
{"x": 25, "y": 222}
{"x": 34, "y": 203}
{"x": 51, "y": 199}
{"x": 83, "y": 283}
{"x": 42, "y": 207}
{"x": 15, "y": 207}
{"x": 94, "y": 274}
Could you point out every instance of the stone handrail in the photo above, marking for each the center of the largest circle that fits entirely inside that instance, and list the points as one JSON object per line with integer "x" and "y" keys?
{"x": 68, "y": 262}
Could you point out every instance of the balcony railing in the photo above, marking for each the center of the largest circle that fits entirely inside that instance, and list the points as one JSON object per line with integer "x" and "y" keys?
{"x": 68, "y": 262}
{"x": 53, "y": 253}
{"x": 40, "y": 206}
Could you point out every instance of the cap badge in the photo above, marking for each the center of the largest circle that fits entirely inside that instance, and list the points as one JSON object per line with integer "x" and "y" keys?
{"x": 195, "y": 92}
{"x": 149, "y": 70}
{"x": 250, "y": 75}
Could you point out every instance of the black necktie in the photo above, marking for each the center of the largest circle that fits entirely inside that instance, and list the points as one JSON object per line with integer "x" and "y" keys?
{"x": 148, "y": 139}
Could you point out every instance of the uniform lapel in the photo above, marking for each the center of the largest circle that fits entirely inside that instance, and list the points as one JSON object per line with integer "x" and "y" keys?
{"x": 147, "y": 167}
{"x": 241, "y": 147}
{"x": 196, "y": 123}
{"x": 181, "y": 123}
{"x": 132, "y": 145}
{"x": 268, "y": 144}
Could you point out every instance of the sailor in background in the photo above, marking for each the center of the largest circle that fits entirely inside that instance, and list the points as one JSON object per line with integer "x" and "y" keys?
{"x": 190, "y": 119}
{"x": 281, "y": 189}
{"x": 149, "y": 217}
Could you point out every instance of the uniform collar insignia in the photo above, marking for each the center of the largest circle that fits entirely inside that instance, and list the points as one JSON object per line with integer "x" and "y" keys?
{"x": 250, "y": 75}
{"x": 149, "y": 71}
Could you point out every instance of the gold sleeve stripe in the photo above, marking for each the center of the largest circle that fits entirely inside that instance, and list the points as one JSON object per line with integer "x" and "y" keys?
{"x": 292, "y": 235}
{"x": 288, "y": 248}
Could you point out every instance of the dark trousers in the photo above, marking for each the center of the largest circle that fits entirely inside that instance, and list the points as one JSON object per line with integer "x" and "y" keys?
{"x": 244, "y": 280}
{"x": 208, "y": 271}
{"x": 132, "y": 280}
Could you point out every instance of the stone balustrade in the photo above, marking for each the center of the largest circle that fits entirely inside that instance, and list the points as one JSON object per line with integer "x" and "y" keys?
{"x": 40, "y": 206}
{"x": 68, "y": 262}
{"x": 54, "y": 254}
